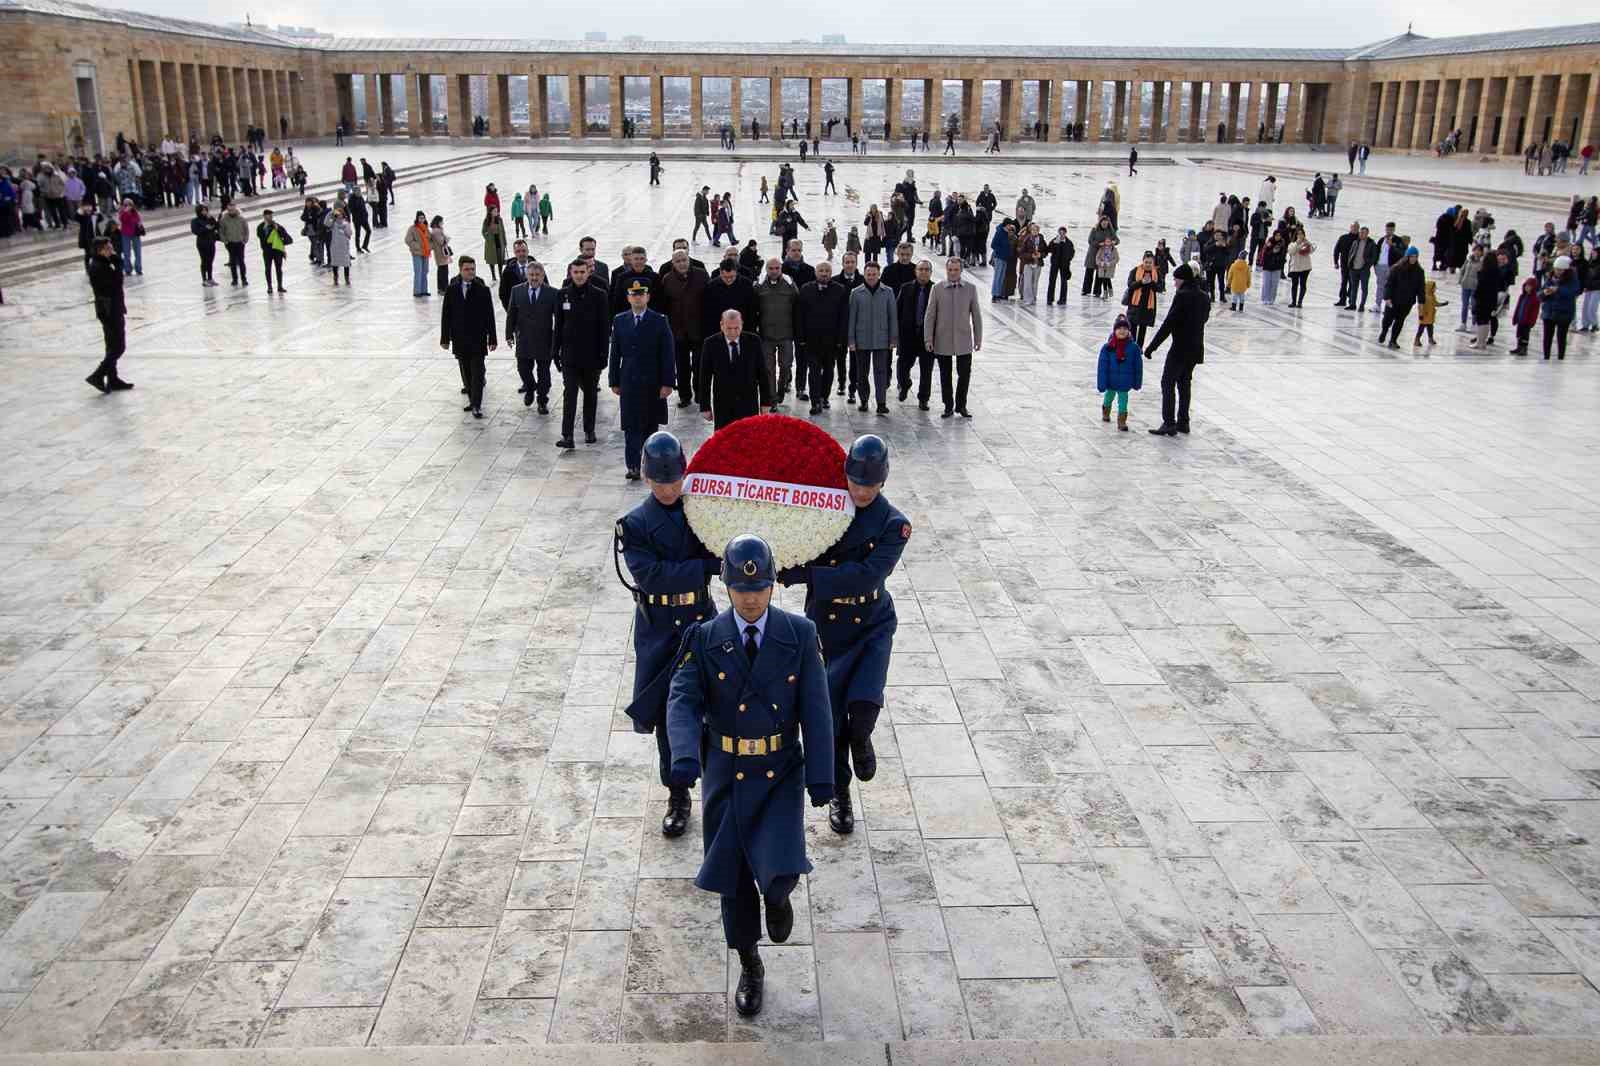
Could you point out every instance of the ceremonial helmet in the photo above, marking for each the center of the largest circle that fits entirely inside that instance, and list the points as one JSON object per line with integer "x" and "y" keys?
{"x": 748, "y": 565}
{"x": 664, "y": 460}
{"x": 867, "y": 462}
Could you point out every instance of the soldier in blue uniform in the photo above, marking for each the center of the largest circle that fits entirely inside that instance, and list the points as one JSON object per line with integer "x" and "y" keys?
{"x": 671, "y": 570}
{"x": 747, "y": 687}
{"x": 847, "y": 600}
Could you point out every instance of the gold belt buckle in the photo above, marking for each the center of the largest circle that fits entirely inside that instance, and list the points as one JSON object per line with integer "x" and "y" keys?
{"x": 757, "y": 746}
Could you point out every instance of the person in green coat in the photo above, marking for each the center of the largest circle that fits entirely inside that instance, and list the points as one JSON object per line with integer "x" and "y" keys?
{"x": 518, "y": 214}
{"x": 545, "y": 211}
{"x": 494, "y": 241}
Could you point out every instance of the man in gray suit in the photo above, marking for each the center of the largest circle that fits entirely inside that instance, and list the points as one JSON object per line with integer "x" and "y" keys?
{"x": 952, "y": 326}
{"x": 530, "y": 322}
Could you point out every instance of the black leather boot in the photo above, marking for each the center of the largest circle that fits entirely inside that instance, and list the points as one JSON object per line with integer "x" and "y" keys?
{"x": 840, "y": 814}
{"x": 676, "y": 821}
{"x": 780, "y": 919}
{"x": 752, "y": 979}
{"x": 862, "y": 758}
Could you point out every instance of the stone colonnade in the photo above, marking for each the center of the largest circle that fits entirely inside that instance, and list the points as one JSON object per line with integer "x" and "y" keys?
{"x": 1159, "y": 107}
{"x": 177, "y": 99}
{"x": 1500, "y": 111}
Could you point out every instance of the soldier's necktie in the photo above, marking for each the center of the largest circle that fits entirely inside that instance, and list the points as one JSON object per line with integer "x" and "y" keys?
{"x": 750, "y": 646}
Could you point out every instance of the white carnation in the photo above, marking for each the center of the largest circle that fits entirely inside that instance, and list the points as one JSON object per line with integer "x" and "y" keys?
{"x": 797, "y": 534}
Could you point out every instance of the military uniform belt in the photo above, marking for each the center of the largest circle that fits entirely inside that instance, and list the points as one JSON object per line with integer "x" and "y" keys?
{"x": 755, "y": 745}
{"x": 675, "y": 599}
{"x": 850, "y": 601}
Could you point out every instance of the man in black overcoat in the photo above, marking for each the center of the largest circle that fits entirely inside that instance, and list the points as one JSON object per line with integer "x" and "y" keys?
{"x": 466, "y": 328}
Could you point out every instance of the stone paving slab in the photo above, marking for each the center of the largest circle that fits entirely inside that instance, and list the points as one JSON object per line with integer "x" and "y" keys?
{"x": 309, "y": 686}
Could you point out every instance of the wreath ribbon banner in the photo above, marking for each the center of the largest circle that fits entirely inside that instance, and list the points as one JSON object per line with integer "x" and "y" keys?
{"x": 755, "y": 490}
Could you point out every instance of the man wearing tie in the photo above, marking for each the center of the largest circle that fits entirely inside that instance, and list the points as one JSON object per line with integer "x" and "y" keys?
{"x": 734, "y": 382}
{"x": 641, "y": 371}
{"x": 531, "y": 324}
{"x": 514, "y": 273}
{"x": 466, "y": 327}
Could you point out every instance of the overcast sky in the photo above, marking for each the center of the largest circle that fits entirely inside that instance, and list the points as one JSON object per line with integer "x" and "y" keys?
{"x": 1170, "y": 23}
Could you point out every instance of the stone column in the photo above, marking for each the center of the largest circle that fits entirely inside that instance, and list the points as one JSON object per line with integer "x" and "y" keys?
{"x": 538, "y": 104}
{"x": 499, "y": 94}
{"x": 578, "y": 104}
{"x": 1213, "y": 111}
{"x": 736, "y": 103}
{"x": 932, "y": 105}
{"x": 658, "y": 121}
{"x": 855, "y": 90}
{"x": 1011, "y": 108}
{"x": 1354, "y": 117}
{"x": 1097, "y": 98}
{"x": 386, "y": 102}
{"x": 894, "y": 106}
{"x": 1515, "y": 98}
{"x": 1196, "y": 105}
{"x": 416, "y": 122}
{"x": 775, "y": 108}
{"x": 194, "y": 110}
{"x": 222, "y": 89}
{"x": 1547, "y": 91}
{"x": 1158, "y": 118}
{"x": 1291, "y": 115}
{"x": 1569, "y": 105}
{"x": 269, "y": 84}
{"x": 697, "y": 110}
{"x": 1589, "y": 116}
{"x": 244, "y": 115}
{"x": 1386, "y": 104}
{"x": 211, "y": 115}
{"x": 1427, "y": 99}
{"x": 972, "y": 110}
{"x": 1252, "y": 120}
{"x": 1052, "y": 110}
{"x": 374, "y": 107}
{"x": 619, "y": 108}
{"x": 812, "y": 125}
{"x": 1119, "y": 109}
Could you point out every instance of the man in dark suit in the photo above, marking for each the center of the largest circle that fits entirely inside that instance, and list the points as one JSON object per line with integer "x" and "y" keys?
{"x": 583, "y": 333}
{"x": 665, "y": 268}
{"x": 514, "y": 273}
{"x": 911, "y": 304}
{"x": 820, "y": 323}
{"x": 466, "y": 327}
{"x": 729, "y": 290}
{"x": 1186, "y": 325}
{"x": 634, "y": 268}
{"x": 733, "y": 383}
{"x": 531, "y": 324}
{"x": 641, "y": 374}
{"x": 105, "y": 279}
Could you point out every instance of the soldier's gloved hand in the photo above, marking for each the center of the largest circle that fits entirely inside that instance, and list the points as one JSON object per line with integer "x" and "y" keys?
{"x": 793, "y": 575}
{"x": 685, "y": 772}
{"x": 820, "y": 794}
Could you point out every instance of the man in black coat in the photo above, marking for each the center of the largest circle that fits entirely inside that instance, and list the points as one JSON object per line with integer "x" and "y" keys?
{"x": 1061, "y": 252}
{"x": 466, "y": 328}
{"x": 821, "y": 323}
{"x": 734, "y": 382}
{"x": 1400, "y": 294}
{"x": 635, "y": 267}
{"x": 677, "y": 243}
{"x": 795, "y": 267}
{"x": 702, "y": 212}
{"x": 105, "y": 279}
{"x": 911, "y": 306}
{"x": 1186, "y": 325}
{"x": 583, "y": 342}
{"x": 531, "y": 324}
{"x": 514, "y": 273}
{"x": 1341, "y": 263}
{"x": 728, "y": 291}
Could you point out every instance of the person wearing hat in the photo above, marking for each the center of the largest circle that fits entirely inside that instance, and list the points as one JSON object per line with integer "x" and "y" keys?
{"x": 847, "y": 598}
{"x": 748, "y": 710}
{"x": 1121, "y": 369}
{"x": 671, "y": 572}
{"x": 642, "y": 371}
{"x": 1186, "y": 325}
{"x": 1558, "y": 303}
{"x": 1401, "y": 292}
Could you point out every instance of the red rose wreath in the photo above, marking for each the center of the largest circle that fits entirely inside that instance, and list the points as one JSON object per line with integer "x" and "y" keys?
{"x": 781, "y": 478}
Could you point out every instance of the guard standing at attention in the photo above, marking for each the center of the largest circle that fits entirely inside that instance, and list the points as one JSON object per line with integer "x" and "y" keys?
{"x": 854, "y": 616}
{"x": 747, "y": 687}
{"x": 672, "y": 570}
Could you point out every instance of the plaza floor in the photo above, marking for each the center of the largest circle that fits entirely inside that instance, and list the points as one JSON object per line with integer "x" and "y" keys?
{"x": 310, "y": 685}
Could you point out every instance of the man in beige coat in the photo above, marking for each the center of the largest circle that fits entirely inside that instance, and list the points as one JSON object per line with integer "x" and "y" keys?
{"x": 952, "y": 327}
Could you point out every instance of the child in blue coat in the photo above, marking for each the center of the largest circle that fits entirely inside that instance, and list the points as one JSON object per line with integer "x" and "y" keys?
{"x": 1121, "y": 369}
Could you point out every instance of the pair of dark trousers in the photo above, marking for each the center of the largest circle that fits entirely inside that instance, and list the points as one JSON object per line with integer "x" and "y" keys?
{"x": 741, "y": 912}
{"x": 632, "y": 447}
{"x": 963, "y": 369}
{"x": 363, "y": 236}
{"x": 856, "y": 720}
{"x": 535, "y": 375}
{"x": 903, "y": 362}
{"x": 208, "y": 256}
{"x": 820, "y": 363}
{"x": 472, "y": 375}
{"x": 114, "y": 328}
{"x": 271, "y": 261}
{"x": 575, "y": 380}
{"x": 236, "y": 270}
{"x": 1177, "y": 376}
{"x": 871, "y": 369}
{"x": 444, "y": 279}
{"x": 686, "y": 353}
{"x": 1394, "y": 320}
{"x": 1060, "y": 270}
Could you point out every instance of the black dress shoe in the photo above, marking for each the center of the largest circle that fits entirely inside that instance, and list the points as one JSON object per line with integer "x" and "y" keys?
{"x": 922, "y": 405}
{"x": 676, "y": 821}
{"x": 802, "y": 396}
{"x": 780, "y": 920}
{"x": 863, "y": 758}
{"x": 98, "y": 380}
{"x": 841, "y": 816}
{"x": 816, "y": 409}
{"x": 527, "y": 399}
{"x": 589, "y": 438}
{"x": 863, "y": 407}
{"x": 117, "y": 385}
{"x": 476, "y": 413}
{"x": 633, "y": 475}
{"x": 903, "y": 391}
{"x": 948, "y": 412}
{"x": 883, "y": 408}
{"x": 1183, "y": 427}
{"x": 752, "y": 980}
{"x": 963, "y": 412}
{"x": 522, "y": 388}
{"x": 565, "y": 443}
{"x": 544, "y": 408}
{"x": 467, "y": 408}
{"x": 1165, "y": 429}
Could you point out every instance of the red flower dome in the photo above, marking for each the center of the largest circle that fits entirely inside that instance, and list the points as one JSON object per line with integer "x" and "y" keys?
{"x": 773, "y": 448}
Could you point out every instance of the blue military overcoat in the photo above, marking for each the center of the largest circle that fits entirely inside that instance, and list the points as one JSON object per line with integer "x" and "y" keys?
{"x": 858, "y": 637}
{"x": 667, "y": 561}
{"x": 754, "y": 805}
{"x": 641, "y": 364}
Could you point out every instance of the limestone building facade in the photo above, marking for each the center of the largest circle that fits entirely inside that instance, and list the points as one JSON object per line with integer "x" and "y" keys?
{"x": 75, "y": 75}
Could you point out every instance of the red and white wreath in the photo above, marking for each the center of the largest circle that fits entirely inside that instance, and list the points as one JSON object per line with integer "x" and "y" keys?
{"x": 778, "y": 477}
